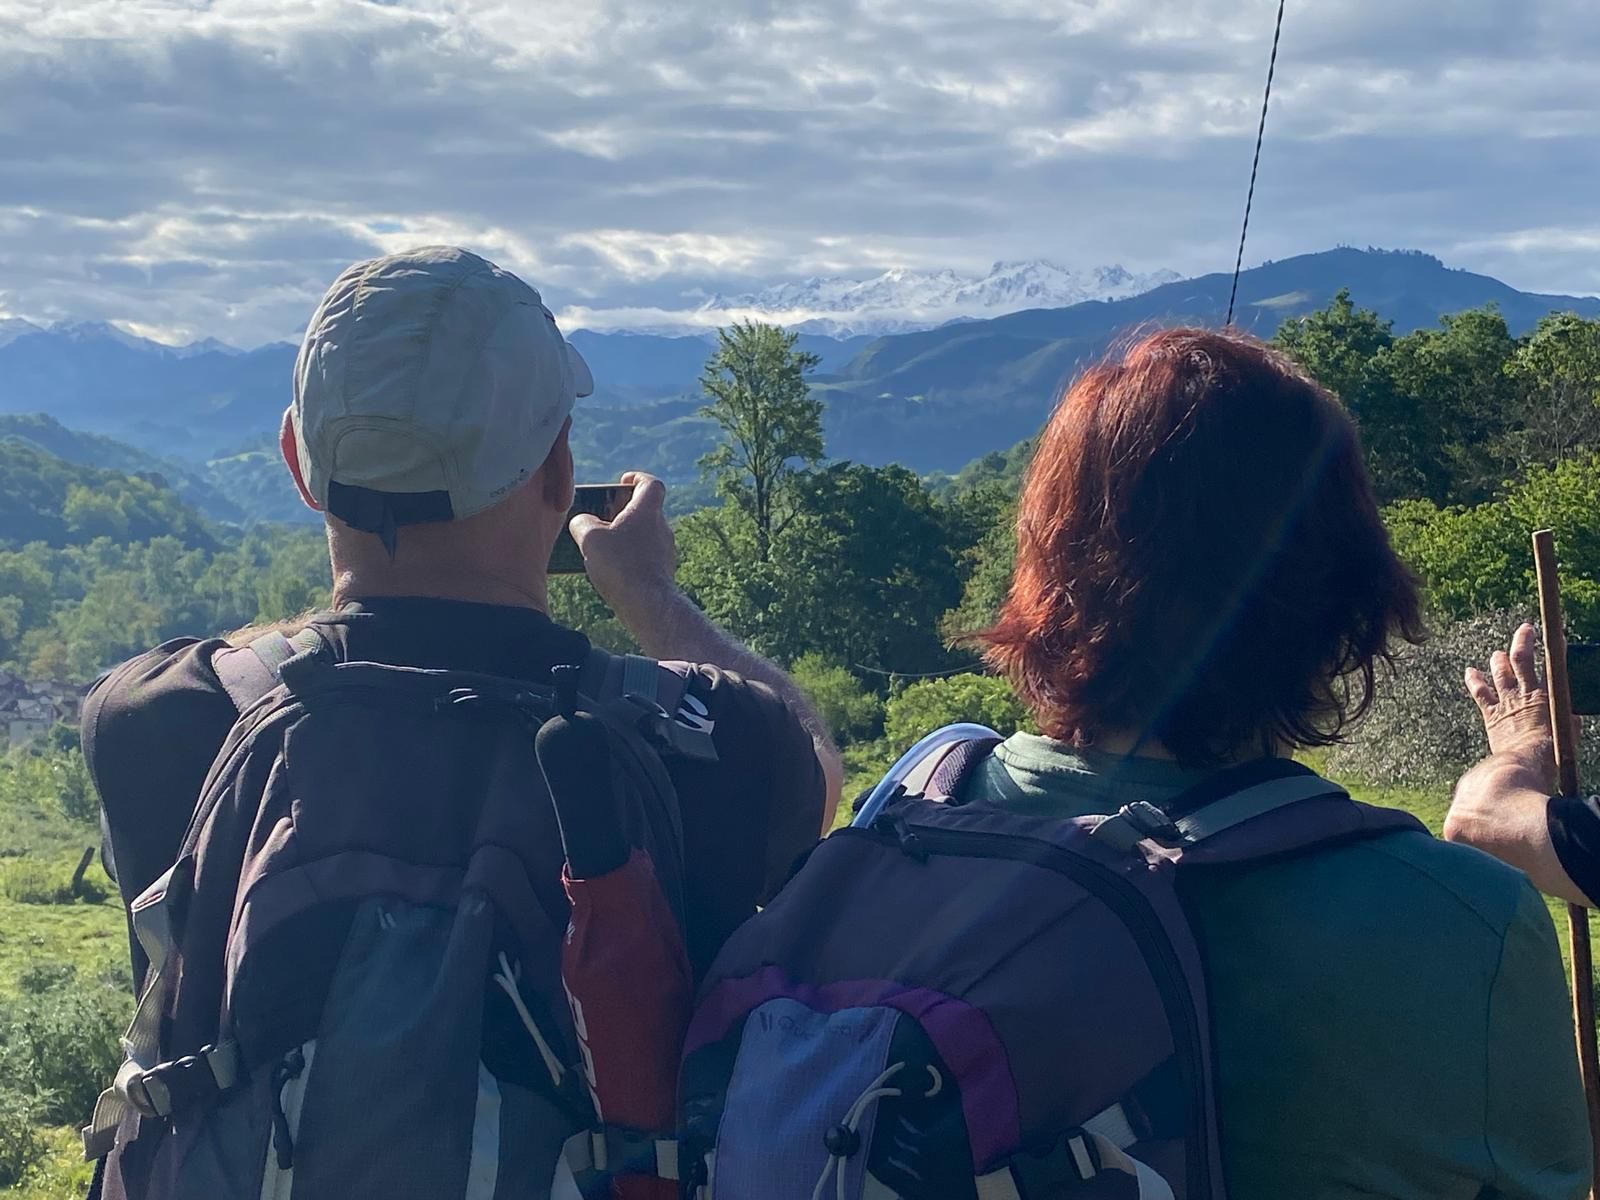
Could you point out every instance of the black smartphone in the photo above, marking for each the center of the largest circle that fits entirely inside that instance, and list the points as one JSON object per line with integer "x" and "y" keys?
{"x": 603, "y": 500}
{"x": 1583, "y": 675}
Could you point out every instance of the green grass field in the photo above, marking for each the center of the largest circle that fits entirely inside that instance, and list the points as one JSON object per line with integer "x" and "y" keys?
{"x": 40, "y": 846}
{"x": 91, "y": 937}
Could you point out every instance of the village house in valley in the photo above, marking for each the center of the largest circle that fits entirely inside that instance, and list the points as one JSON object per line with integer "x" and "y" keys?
{"x": 28, "y": 708}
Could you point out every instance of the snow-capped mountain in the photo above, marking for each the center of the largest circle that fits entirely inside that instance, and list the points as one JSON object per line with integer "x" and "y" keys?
{"x": 208, "y": 345}
{"x": 100, "y": 332}
{"x": 11, "y": 328}
{"x": 903, "y": 299}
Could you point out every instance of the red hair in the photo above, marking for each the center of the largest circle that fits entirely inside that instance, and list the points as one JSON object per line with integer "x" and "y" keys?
{"x": 1200, "y": 559}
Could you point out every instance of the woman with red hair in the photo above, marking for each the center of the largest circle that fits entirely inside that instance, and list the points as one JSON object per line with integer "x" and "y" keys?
{"x": 1202, "y": 579}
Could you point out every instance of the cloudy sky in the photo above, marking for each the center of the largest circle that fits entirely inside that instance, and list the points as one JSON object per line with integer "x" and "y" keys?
{"x": 205, "y": 168}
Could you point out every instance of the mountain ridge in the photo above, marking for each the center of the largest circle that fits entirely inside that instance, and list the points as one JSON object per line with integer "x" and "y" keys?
{"x": 932, "y": 399}
{"x": 902, "y": 299}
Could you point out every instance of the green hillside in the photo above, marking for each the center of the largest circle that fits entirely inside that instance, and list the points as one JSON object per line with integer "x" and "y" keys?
{"x": 47, "y": 499}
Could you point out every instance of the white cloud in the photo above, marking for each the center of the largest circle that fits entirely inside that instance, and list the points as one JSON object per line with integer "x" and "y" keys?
{"x": 210, "y": 166}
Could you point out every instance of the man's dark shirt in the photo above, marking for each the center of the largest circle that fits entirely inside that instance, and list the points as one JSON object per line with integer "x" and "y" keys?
{"x": 1574, "y": 824}
{"x": 152, "y": 727}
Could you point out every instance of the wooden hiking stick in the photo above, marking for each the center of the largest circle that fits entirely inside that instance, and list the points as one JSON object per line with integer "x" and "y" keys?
{"x": 1565, "y": 739}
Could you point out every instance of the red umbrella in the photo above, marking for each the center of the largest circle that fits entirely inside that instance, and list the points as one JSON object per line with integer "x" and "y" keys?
{"x": 624, "y": 965}
{"x": 627, "y": 976}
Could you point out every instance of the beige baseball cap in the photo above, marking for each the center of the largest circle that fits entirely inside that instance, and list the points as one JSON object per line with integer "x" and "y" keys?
{"x": 429, "y": 386}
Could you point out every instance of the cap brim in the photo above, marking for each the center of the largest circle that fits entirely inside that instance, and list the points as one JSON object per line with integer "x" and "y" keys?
{"x": 582, "y": 377}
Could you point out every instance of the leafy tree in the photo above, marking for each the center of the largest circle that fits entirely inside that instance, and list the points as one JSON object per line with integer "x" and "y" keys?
{"x": 1475, "y": 559}
{"x": 770, "y": 423}
{"x": 987, "y": 564}
{"x": 575, "y": 604}
{"x": 931, "y": 703}
{"x": 1341, "y": 347}
{"x": 862, "y": 572}
{"x": 1558, "y": 366}
{"x": 850, "y": 710}
{"x": 1453, "y": 381}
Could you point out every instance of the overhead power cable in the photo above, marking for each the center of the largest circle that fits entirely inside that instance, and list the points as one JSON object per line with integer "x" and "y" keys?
{"x": 1255, "y": 164}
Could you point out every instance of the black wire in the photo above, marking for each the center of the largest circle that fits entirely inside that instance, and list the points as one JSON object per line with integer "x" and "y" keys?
{"x": 966, "y": 670}
{"x": 1261, "y": 132}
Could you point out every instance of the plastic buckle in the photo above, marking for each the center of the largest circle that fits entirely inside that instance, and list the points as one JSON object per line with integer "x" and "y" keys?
{"x": 167, "y": 1087}
{"x": 147, "y": 1103}
{"x": 1150, "y": 821}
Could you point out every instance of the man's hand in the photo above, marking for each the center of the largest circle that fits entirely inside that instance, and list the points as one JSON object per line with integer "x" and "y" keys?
{"x": 1500, "y": 806}
{"x": 631, "y": 559}
{"x": 1516, "y": 709}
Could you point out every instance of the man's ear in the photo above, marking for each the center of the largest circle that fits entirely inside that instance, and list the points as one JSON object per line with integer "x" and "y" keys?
{"x": 291, "y": 457}
{"x": 557, "y": 471}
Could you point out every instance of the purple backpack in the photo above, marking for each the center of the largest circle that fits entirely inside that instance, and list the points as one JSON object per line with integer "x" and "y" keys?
{"x": 952, "y": 1001}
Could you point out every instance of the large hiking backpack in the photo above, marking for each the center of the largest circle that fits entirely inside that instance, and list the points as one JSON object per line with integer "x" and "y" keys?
{"x": 355, "y": 962}
{"x": 958, "y": 1002}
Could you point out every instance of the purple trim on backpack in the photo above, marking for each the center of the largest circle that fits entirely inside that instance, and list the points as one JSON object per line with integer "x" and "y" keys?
{"x": 961, "y": 1034}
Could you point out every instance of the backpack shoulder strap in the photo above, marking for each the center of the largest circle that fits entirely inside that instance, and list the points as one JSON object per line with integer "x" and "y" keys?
{"x": 1239, "y": 794}
{"x": 1196, "y": 821}
{"x": 249, "y": 672}
{"x": 657, "y": 689}
{"x": 947, "y": 774}
{"x": 936, "y": 768}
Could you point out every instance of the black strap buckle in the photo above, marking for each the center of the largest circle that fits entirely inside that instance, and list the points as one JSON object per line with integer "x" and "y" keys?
{"x": 175, "y": 1086}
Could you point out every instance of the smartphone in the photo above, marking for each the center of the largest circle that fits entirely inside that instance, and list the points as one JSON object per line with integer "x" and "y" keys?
{"x": 1583, "y": 675}
{"x": 603, "y": 500}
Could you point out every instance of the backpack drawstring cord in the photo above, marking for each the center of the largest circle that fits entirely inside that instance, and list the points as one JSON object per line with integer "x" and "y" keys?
{"x": 844, "y": 1139}
{"x": 289, "y": 1068}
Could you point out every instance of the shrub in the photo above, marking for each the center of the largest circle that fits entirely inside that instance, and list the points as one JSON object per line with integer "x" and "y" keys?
{"x": 48, "y": 778}
{"x": 20, "y": 1148}
{"x": 60, "y": 1173}
{"x": 850, "y": 710}
{"x": 61, "y": 1047}
{"x": 1423, "y": 729}
{"x": 925, "y": 706}
{"x": 45, "y": 975}
{"x": 31, "y": 880}
{"x": 1478, "y": 559}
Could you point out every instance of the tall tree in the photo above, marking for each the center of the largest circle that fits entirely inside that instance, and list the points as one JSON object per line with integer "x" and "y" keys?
{"x": 1453, "y": 379}
{"x": 771, "y": 424}
{"x": 1558, "y": 367}
{"x": 1341, "y": 346}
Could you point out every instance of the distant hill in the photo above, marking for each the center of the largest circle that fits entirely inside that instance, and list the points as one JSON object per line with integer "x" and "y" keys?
{"x": 936, "y": 399}
{"x": 96, "y": 450}
{"x": 174, "y": 404}
{"x": 44, "y": 498}
{"x": 933, "y": 400}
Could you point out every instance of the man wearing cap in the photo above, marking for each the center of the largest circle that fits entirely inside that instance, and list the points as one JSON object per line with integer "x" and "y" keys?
{"x": 432, "y": 401}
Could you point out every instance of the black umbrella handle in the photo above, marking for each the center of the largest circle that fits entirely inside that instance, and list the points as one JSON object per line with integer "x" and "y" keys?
{"x": 574, "y": 753}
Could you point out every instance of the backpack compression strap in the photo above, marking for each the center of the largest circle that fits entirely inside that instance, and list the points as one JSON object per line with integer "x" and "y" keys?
{"x": 250, "y": 671}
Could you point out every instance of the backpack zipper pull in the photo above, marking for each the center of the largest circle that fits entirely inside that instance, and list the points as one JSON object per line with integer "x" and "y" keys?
{"x": 293, "y": 1064}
